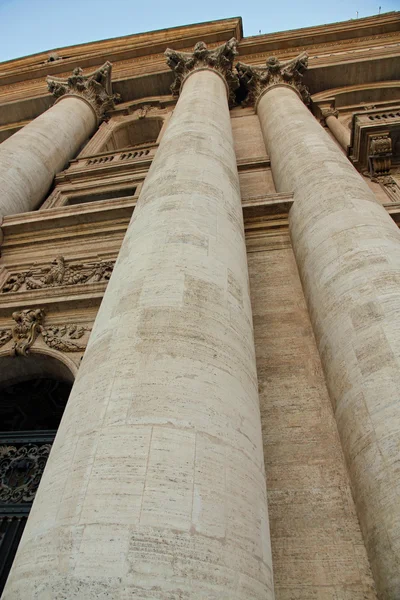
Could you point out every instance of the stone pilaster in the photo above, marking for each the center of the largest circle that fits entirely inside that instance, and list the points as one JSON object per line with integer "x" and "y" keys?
{"x": 339, "y": 131}
{"x": 155, "y": 485}
{"x": 31, "y": 158}
{"x": 348, "y": 254}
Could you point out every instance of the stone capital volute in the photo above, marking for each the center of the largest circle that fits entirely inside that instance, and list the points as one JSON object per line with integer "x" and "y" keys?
{"x": 329, "y": 111}
{"x": 94, "y": 88}
{"x": 289, "y": 73}
{"x": 219, "y": 59}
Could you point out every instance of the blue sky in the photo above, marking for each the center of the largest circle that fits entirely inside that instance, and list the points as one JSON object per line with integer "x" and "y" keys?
{"x": 29, "y": 26}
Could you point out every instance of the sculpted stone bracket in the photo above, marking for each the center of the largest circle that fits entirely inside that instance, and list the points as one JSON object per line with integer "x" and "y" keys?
{"x": 379, "y": 154}
{"x": 94, "y": 87}
{"x": 219, "y": 59}
{"x": 374, "y": 140}
{"x": 29, "y": 325}
{"x": 276, "y": 73}
{"x": 59, "y": 273}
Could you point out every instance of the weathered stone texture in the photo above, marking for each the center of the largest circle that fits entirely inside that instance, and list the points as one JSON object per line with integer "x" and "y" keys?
{"x": 318, "y": 551}
{"x": 348, "y": 252}
{"x": 247, "y": 134}
{"x": 155, "y": 487}
{"x": 31, "y": 157}
{"x": 256, "y": 182}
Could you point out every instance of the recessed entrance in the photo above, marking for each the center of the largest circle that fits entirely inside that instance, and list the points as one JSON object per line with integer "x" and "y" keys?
{"x": 33, "y": 394}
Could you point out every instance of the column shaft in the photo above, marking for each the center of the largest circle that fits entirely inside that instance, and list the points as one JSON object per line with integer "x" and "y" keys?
{"x": 155, "y": 486}
{"x": 31, "y": 158}
{"x": 348, "y": 253}
{"x": 339, "y": 131}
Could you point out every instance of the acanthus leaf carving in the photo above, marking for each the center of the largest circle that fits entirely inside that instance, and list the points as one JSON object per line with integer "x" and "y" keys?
{"x": 29, "y": 326}
{"x": 63, "y": 337}
{"x": 58, "y": 274}
{"x": 94, "y": 87}
{"x": 219, "y": 59}
{"x": 258, "y": 79}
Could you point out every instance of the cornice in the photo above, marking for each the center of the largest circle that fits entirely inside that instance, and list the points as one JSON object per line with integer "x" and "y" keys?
{"x": 297, "y": 40}
{"x": 118, "y": 49}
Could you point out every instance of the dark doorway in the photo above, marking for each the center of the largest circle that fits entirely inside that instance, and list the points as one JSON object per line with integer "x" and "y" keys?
{"x": 32, "y": 403}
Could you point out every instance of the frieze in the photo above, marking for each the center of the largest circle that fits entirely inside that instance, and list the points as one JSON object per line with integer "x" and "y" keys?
{"x": 289, "y": 73}
{"x": 219, "y": 59}
{"x": 58, "y": 274}
{"x": 29, "y": 326}
{"x": 327, "y": 47}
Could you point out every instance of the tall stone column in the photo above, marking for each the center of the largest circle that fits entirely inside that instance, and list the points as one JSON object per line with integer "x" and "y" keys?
{"x": 339, "y": 131}
{"x": 348, "y": 253}
{"x": 155, "y": 486}
{"x": 31, "y": 158}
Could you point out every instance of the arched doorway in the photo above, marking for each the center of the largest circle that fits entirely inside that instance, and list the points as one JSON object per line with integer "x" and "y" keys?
{"x": 33, "y": 394}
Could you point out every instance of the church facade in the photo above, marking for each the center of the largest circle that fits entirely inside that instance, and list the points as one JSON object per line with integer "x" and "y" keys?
{"x": 199, "y": 316}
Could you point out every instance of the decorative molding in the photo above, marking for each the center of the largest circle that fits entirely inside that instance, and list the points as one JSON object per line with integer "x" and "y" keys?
{"x": 21, "y": 469}
{"x": 58, "y": 274}
{"x": 5, "y": 336}
{"x": 379, "y": 154}
{"x": 29, "y": 326}
{"x": 94, "y": 87}
{"x": 26, "y": 329}
{"x": 259, "y": 79}
{"x": 219, "y": 59}
{"x": 63, "y": 337}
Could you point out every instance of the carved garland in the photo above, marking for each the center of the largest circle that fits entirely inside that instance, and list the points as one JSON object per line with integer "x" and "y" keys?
{"x": 29, "y": 324}
{"x": 58, "y": 274}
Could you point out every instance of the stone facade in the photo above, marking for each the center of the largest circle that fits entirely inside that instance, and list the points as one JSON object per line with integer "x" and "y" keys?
{"x": 204, "y": 238}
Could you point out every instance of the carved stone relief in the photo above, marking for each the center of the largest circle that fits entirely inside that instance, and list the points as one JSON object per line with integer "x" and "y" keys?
{"x": 59, "y": 273}
{"x": 29, "y": 325}
{"x": 94, "y": 87}
{"x": 26, "y": 329}
{"x": 219, "y": 59}
{"x": 380, "y": 154}
{"x": 258, "y": 79}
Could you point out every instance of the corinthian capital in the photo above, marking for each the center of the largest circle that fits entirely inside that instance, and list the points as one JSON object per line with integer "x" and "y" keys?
{"x": 276, "y": 72}
{"x": 220, "y": 60}
{"x": 94, "y": 87}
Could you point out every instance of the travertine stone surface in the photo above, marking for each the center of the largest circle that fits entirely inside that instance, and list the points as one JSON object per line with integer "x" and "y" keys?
{"x": 30, "y": 158}
{"x": 317, "y": 547}
{"x": 155, "y": 487}
{"x": 348, "y": 253}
